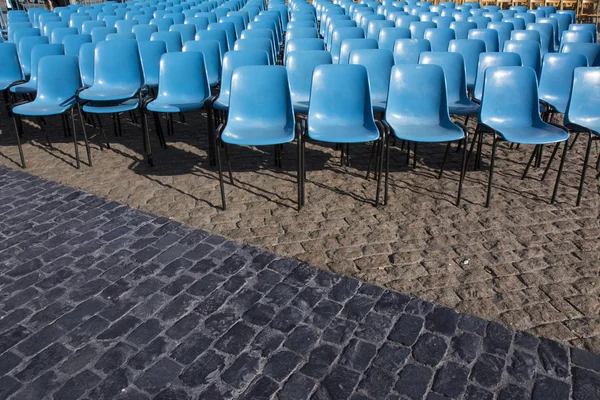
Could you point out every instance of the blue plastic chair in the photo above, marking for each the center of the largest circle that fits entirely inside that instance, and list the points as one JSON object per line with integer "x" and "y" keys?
{"x": 374, "y": 28}
{"x": 510, "y": 112}
{"x": 546, "y": 35}
{"x": 590, "y": 50}
{"x": 10, "y": 69}
{"x": 555, "y": 31}
{"x": 178, "y": 18}
{"x": 481, "y": 22}
{"x": 301, "y": 33}
{"x": 272, "y": 124}
{"x": 300, "y": 66}
{"x": 187, "y": 31}
{"x": 470, "y": 50}
{"x": 507, "y": 14}
{"x": 76, "y": 21}
{"x": 171, "y": 39}
{"x": 89, "y": 25}
{"x": 462, "y": 28}
{"x": 100, "y": 33}
{"x": 388, "y": 37}
{"x": 143, "y": 19}
{"x": 24, "y": 32}
{"x": 125, "y": 26}
{"x": 343, "y": 113}
{"x": 489, "y": 37}
{"x": 201, "y": 23}
{"x": 417, "y": 111}
{"x": 518, "y": 23}
{"x": 86, "y": 63}
{"x": 120, "y": 36}
{"x": 528, "y": 18}
{"x": 50, "y": 26}
{"x": 301, "y": 24}
{"x": 443, "y": 22}
{"x": 349, "y": 45}
{"x": 15, "y": 26}
{"x": 570, "y": 13}
{"x": 163, "y": 24}
{"x": 439, "y": 38}
{"x": 150, "y": 54}
{"x": 263, "y": 44}
{"x": 453, "y": 65}
{"x": 576, "y": 37}
{"x": 564, "y": 20}
{"x": 58, "y": 82}
{"x": 586, "y": 27}
{"x": 486, "y": 60}
{"x": 404, "y": 21}
{"x": 417, "y": 29}
{"x": 528, "y": 50}
{"x": 339, "y": 34}
{"x": 556, "y": 79}
{"x": 58, "y": 34}
{"x": 24, "y": 52}
{"x": 301, "y": 45}
{"x": 504, "y": 30}
{"x": 212, "y": 17}
{"x": 37, "y": 53}
{"x": 526, "y": 35}
{"x": 144, "y": 32}
{"x": 379, "y": 64}
{"x": 229, "y": 29}
{"x": 118, "y": 84}
{"x": 408, "y": 51}
{"x": 182, "y": 86}
{"x": 493, "y": 16}
{"x": 212, "y": 58}
{"x": 335, "y": 25}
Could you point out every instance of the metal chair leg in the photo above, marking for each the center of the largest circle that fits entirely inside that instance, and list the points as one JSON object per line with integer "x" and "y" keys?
{"x": 379, "y": 167}
{"x": 560, "y": 169}
{"x": 475, "y": 138}
{"x": 489, "y": 189}
{"x": 76, "y": 144}
{"x": 19, "y": 133}
{"x": 228, "y": 163}
{"x": 387, "y": 169}
{"x": 415, "y": 156}
{"x": 371, "y": 159}
{"x": 299, "y": 165}
{"x": 146, "y": 136}
{"x": 585, "y": 164}
{"x": 85, "y": 138}
{"x": 533, "y": 154}
{"x": 551, "y": 160}
{"x": 444, "y": 160}
{"x": 463, "y": 170}
{"x": 574, "y": 140}
{"x": 221, "y": 183}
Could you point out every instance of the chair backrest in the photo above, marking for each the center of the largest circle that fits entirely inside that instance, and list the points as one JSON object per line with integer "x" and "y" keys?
{"x": 50, "y": 26}
{"x": 117, "y": 64}
{"x": 267, "y": 86}
{"x": 24, "y": 51}
{"x": 527, "y": 17}
{"x": 125, "y": 26}
{"x": 339, "y": 23}
{"x": 301, "y": 24}
{"x": 349, "y": 45}
{"x": 58, "y": 79}
{"x": 417, "y": 96}
{"x": 143, "y": 19}
{"x": 10, "y": 69}
{"x": 120, "y": 36}
{"x": 470, "y": 50}
{"x": 301, "y": 33}
{"x": 546, "y": 35}
{"x": 303, "y": 45}
{"x": 453, "y": 65}
{"x": 59, "y": 34}
{"x": 233, "y": 60}
{"x": 408, "y": 51}
{"x": 504, "y": 30}
{"x": 555, "y": 29}
{"x": 526, "y": 35}
{"x": 528, "y": 50}
{"x": 443, "y": 22}
{"x": 86, "y": 62}
{"x": 229, "y": 29}
{"x": 374, "y": 28}
{"x": 590, "y": 50}
{"x": 404, "y": 21}
{"x": 507, "y": 13}
{"x": 481, "y": 22}
{"x": 238, "y": 23}
{"x": 486, "y": 60}
{"x": 187, "y": 31}
{"x": 171, "y": 39}
{"x": 489, "y": 37}
{"x": 144, "y": 32}
{"x": 212, "y": 58}
{"x": 583, "y": 104}
{"x": 40, "y": 51}
{"x": 339, "y": 34}
{"x": 586, "y": 27}
{"x": 388, "y": 37}
{"x": 201, "y": 23}
{"x": 576, "y": 37}
{"x": 510, "y": 98}
{"x": 218, "y": 35}
{"x": 417, "y": 29}
{"x": 21, "y": 33}
{"x": 564, "y": 20}
{"x": 163, "y": 24}
{"x": 379, "y": 64}
{"x": 87, "y": 26}
{"x": 99, "y": 34}
{"x": 439, "y": 38}
{"x": 462, "y": 28}
{"x": 557, "y": 76}
{"x": 334, "y": 102}
{"x": 183, "y": 78}
{"x": 178, "y": 18}
{"x": 150, "y": 55}
{"x": 263, "y": 44}
{"x": 518, "y": 23}
{"x": 212, "y": 17}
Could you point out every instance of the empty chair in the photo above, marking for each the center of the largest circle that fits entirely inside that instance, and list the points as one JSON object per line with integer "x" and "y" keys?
{"x": 86, "y": 63}
{"x": 507, "y": 13}
{"x": 76, "y": 21}
{"x": 349, "y": 45}
{"x": 375, "y": 27}
{"x": 37, "y": 53}
{"x": 261, "y": 34}
{"x": 417, "y": 29}
{"x": 556, "y": 78}
{"x": 563, "y": 20}
{"x": 576, "y": 37}
{"x": 58, "y": 81}
{"x": 302, "y": 45}
{"x": 171, "y": 39}
{"x": 470, "y": 50}
{"x": 555, "y": 29}
{"x": 300, "y": 66}
{"x": 212, "y": 18}
{"x": 493, "y": 16}
{"x": 486, "y": 60}
{"x": 453, "y": 65}
{"x": 89, "y": 25}
{"x": 301, "y": 33}
{"x": 590, "y": 50}
{"x": 163, "y": 24}
{"x": 518, "y": 23}
{"x": 178, "y": 18}
{"x": 528, "y": 18}
{"x": 218, "y": 35}
{"x": 379, "y": 64}
{"x": 510, "y": 112}
{"x": 526, "y": 35}
{"x": 187, "y": 31}
{"x": 443, "y": 22}
{"x": 388, "y": 37}
{"x": 462, "y": 28}
{"x": 333, "y": 25}
{"x": 143, "y": 19}
{"x": 15, "y": 26}
{"x": 238, "y": 23}
{"x": 229, "y": 29}
{"x": 489, "y": 37}
{"x": 99, "y": 34}
{"x": 460, "y": 16}
{"x": 150, "y": 54}
{"x": 144, "y": 32}
{"x": 111, "y": 20}
{"x": 24, "y": 51}
{"x": 504, "y": 30}
{"x": 439, "y": 38}
{"x": 528, "y": 50}
{"x": 546, "y": 35}
{"x": 125, "y": 26}
{"x": 481, "y": 22}
{"x": 586, "y": 27}
{"x": 366, "y": 19}
{"x": 59, "y": 34}
{"x": 301, "y": 24}
{"x": 212, "y": 58}
{"x": 404, "y": 21}
{"x": 342, "y": 113}
{"x": 519, "y": 9}
{"x": 256, "y": 44}
{"x": 408, "y": 51}
{"x": 10, "y": 69}
{"x": 339, "y": 34}
{"x": 201, "y": 23}
{"x": 272, "y": 124}
{"x": 417, "y": 111}
{"x": 50, "y": 26}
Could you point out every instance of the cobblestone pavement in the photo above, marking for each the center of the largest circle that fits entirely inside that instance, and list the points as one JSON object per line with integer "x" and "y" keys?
{"x": 100, "y": 301}
{"x": 531, "y": 265}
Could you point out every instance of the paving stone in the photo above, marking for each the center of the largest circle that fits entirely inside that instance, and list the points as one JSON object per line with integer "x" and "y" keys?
{"x": 44, "y": 360}
{"x": 149, "y": 354}
{"x": 487, "y": 371}
{"x": 585, "y": 359}
{"x": 114, "y": 385}
{"x": 302, "y": 339}
{"x": 513, "y": 392}
{"x": 377, "y": 383}
{"x": 586, "y": 384}
{"x": 466, "y": 346}
{"x": 238, "y": 337}
{"x": 407, "y": 329}
{"x": 267, "y": 341}
{"x": 320, "y": 360}
{"x": 429, "y": 349}
{"x": 523, "y": 366}
{"x": 451, "y": 380}
{"x": 340, "y": 382}
{"x": 550, "y": 389}
{"x": 339, "y": 331}
{"x": 75, "y": 387}
{"x": 442, "y": 320}
{"x": 413, "y": 381}
{"x": 554, "y": 358}
{"x": 287, "y": 319}
{"x": 8, "y": 361}
{"x": 8, "y": 386}
{"x": 497, "y": 339}
{"x": 358, "y": 355}
{"x": 281, "y": 364}
{"x": 192, "y": 347}
{"x": 198, "y": 373}
{"x": 262, "y": 388}
{"x": 242, "y": 371}
{"x": 158, "y": 376}
{"x": 477, "y": 393}
{"x": 296, "y": 387}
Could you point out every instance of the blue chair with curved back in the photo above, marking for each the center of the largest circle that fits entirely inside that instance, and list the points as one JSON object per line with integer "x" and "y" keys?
{"x": 86, "y": 63}
{"x": 171, "y": 39}
{"x": 388, "y": 36}
{"x": 462, "y": 28}
{"x": 301, "y": 33}
{"x": 417, "y": 111}
{"x": 88, "y": 26}
{"x": 528, "y": 50}
{"x": 120, "y": 36}
{"x": 125, "y": 26}
{"x": 555, "y": 31}
{"x": 26, "y": 32}
{"x": 342, "y": 113}
{"x": 78, "y": 20}
{"x": 481, "y": 21}
{"x": 439, "y": 38}
{"x": 546, "y": 36}
{"x": 300, "y": 66}
{"x": 527, "y": 18}
{"x": 470, "y": 50}
{"x": 404, "y": 21}
{"x": 576, "y": 37}
{"x": 218, "y": 35}
{"x": 187, "y": 31}
{"x": 301, "y": 45}
{"x": 408, "y": 51}
{"x": 201, "y": 23}
{"x": 443, "y": 22}
{"x": 38, "y": 52}
{"x": 510, "y": 112}
{"x": 24, "y": 51}
{"x": 163, "y": 24}
{"x": 526, "y": 35}
{"x": 586, "y": 27}
{"x": 144, "y": 32}
{"x": 150, "y": 54}
{"x": 417, "y": 29}
{"x": 73, "y": 43}
{"x": 556, "y": 79}
{"x": 273, "y": 124}
{"x": 99, "y": 34}
{"x": 375, "y": 27}
{"x": 518, "y": 23}
{"x": 256, "y": 44}
{"x": 212, "y": 58}
{"x": 486, "y": 60}
{"x": 118, "y": 84}
{"x": 333, "y": 25}
{"x": 349, "y": 45}
{"x": 453, "y": 65}
{"x": 504, "y": 30}
{"x": 339, "y": 34}
{"x": 507, "y": 14}
{"x": 590, "y": 50}
{"x": 229, "y": 29}
{"x": 10, "y": 70}
{"x": 182, "y": 86}
{"x": 58, "y": 82}
{"x": 379, "y": 63}
{"x": 489, "y": 37}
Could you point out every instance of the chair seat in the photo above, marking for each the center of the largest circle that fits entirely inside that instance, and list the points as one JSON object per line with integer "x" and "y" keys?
{"x": 5, "y": 83}
{"x": 257, "y": 135}
{"x": 27, "y": 87}
{"x": 545, "y": 134}
{"x": 560, "y": 105}
{"x": 428, "y": 133}
{"x": 594, "y": 128}
{"x": 101, "y": 94}
{"x": 109, "y": 107}
{"x": 38, "y": 109}
{"x": 220, "y": 104}
{"x": 343, "y": 134}
{"x": 464, "y": 108}
{"x": 167, "y": 107}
